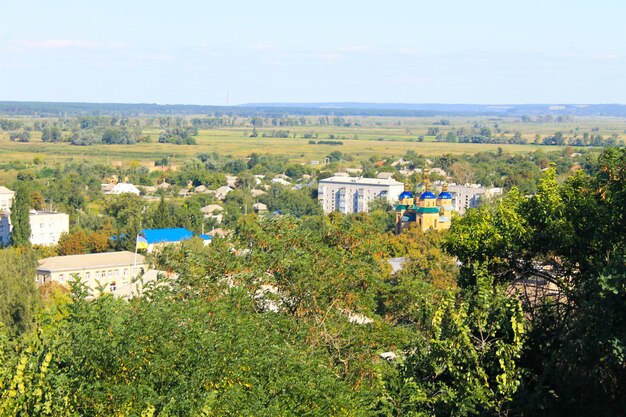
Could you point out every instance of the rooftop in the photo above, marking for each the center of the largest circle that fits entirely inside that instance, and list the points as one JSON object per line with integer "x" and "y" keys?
{"x": 5, "y": 190}
{"x": 360, "y": 180}
{"x": 166, "y": 235}
{"x": 45, "y": 213}
{"x": 91, "y": 260}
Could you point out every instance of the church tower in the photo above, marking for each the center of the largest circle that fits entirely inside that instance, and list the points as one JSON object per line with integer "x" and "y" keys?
{"x": 427, "y": 212}
{"x": 444, "y": 202}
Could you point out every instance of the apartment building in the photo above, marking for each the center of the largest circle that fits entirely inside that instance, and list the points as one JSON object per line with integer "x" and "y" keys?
{"x": 353, "y": 194}
{"x": 6, "y": 198}
{"x": 46, "y": 227}
{"x": 470, "y": 195}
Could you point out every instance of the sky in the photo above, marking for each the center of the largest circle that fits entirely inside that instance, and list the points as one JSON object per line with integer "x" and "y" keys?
{"x": 236, "y": 51}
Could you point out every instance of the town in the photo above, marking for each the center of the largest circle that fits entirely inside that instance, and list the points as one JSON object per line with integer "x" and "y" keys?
{"x": 346, "y": 209}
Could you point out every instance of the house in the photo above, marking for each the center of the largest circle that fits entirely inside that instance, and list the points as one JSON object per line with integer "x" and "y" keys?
{"x": 353, "y": 195}
{"x": 231, "y": 181}
{"x": 258, "y": 179}
{"x": 280, "y": 181}
{"x": 46, "y": 227}
{"x": 151, "y": 239}
{"x": 106, "y": 188}
{"x": 300, "y": 186}
{"x": 185, "y": 192}
{"x": 439, "y": 171}
{"x": 6, "y": 198}
{"x": 221, "y": 192}
{"x": 95, "y": 269}
{"x": 219, "y": 232}
{"x": 200, "y": 189}
{"x": 120, "y": 188}
{"x": 257, "y": 193}
{"x": 384, "y": 175}
{"x": 260, "y": 208}
{"x": 213, "y": 211}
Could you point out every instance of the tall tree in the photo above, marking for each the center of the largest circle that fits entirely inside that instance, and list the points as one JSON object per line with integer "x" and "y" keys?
{"x": 20, "y": 219}
{"x": 162, "y": 215}
{"x": 18, "y": 295}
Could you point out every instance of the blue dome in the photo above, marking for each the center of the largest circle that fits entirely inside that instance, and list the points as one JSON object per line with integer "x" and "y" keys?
{"x": 445, "y": 194}
{"x": 427, "y": 194}
{"x": 406, "y": 194}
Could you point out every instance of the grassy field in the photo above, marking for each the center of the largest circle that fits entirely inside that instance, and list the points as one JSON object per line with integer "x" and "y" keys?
{"x": 376, "y": 136}
{"x": 228, "y": 142}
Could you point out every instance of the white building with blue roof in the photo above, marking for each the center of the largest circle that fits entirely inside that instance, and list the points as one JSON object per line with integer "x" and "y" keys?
{"x": 151, "y": 239}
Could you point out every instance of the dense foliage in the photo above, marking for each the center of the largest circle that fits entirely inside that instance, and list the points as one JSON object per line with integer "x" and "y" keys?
{"x": 517, "y": 310}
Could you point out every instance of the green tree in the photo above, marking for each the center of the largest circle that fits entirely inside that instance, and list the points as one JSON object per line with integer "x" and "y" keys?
{"x": 162, "y": 215}
{"x": 20, "y": 216}
{"x": 468, "y": 364}
{"x": 18, "y": 296}
{"x": 562, "y": 250}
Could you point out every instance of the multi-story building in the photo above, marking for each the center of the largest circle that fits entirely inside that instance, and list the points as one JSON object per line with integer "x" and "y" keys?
{"x": 353, "y": 194}
{"x": 470, "y": 195}
{"x": 106, "y": 270}
{"x": 46, "y": 227}
{"x": 6, "y": 198}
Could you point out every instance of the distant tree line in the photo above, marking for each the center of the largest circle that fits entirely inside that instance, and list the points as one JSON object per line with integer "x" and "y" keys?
{"x": 326, "y": 142}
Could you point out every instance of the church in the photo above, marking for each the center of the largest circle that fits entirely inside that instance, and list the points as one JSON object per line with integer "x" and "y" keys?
{"x": 429, "y": 211}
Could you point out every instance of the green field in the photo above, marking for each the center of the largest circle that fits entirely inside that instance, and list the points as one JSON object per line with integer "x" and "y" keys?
{"x": 373, "y": 136}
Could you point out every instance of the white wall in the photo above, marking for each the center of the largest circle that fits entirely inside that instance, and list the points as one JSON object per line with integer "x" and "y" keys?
{"x": 46, "y": 228}
{"x": 353, "y": 195}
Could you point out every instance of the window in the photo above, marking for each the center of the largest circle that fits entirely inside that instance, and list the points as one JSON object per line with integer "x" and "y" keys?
{"x": 61, "y": 278}
{"x": 41, "y": 225}
{"x": 87, "y": 276}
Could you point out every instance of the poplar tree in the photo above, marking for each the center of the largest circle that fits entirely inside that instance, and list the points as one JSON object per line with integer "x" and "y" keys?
{"x": 20, "y": 221}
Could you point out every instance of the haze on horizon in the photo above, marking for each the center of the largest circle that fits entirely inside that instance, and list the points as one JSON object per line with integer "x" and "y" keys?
{"x": 193, "y": 52}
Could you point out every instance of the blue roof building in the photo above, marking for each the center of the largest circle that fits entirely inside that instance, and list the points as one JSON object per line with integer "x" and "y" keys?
{"x": 152, "y": 237}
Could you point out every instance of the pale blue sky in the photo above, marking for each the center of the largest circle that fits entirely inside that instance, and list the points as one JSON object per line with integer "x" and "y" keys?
{"x": 193, "y": 52}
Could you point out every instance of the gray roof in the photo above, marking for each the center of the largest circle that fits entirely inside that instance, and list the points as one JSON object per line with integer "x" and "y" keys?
{"x": 89, "y": 261}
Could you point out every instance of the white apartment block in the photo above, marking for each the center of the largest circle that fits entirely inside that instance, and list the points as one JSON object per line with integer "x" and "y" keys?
{"x": 108, "y": 270}
{"x": 353, "y": 194}
{"x": 46, "y": 227}
{"x": 469, "y": 195}
{"x": 6, "y": 198}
